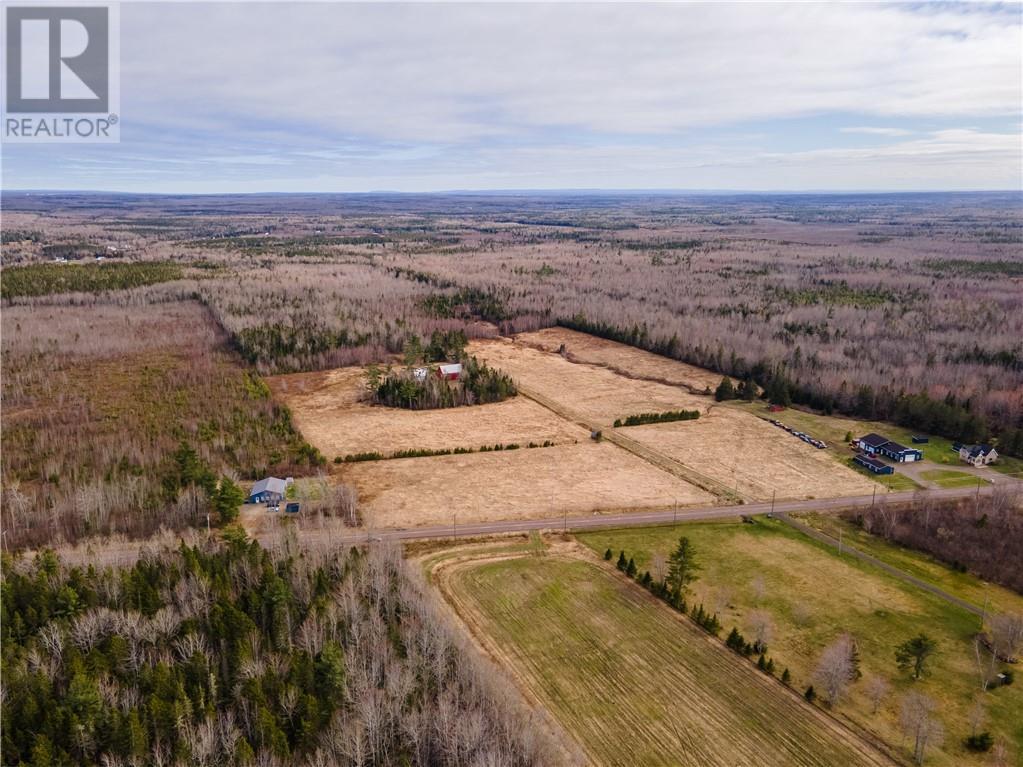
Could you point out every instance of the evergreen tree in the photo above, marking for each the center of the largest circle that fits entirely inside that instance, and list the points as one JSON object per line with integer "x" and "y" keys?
{"x": 608, "y": 554}
{"x": 725, "y": 390}
{"x": 810, "y": 694}
{"x": 786, "y": 677}
{"x": 226, "y": 500}
{"x": 682, "y": 568}
{"x": 622, "y": 563}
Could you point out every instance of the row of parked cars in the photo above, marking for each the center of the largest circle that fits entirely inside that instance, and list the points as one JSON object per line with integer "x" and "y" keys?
{"x": 805, "y": 437}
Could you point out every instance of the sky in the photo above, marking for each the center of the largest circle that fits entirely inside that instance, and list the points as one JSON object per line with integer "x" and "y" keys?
{"x": 324, "y": 97}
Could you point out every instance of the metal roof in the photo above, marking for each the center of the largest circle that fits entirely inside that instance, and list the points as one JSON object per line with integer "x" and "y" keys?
{"x": 269, "y": 484}
{"x": 874, "y": 440}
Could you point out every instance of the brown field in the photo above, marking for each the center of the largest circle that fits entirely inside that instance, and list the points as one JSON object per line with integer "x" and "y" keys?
{"x": 752, "y": 456}
{"x": 326, "y": 408}
{"x": 517, "y": 484}
{"x": 626, "y": 360}
{"x": 736, "y": 449}
{"x": 596, "y": 394}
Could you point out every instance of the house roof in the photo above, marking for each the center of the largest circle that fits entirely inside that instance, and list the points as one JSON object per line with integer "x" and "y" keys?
{"x": 454, "y": 367}
{"x": 978, "y": 450}
{"x": 874, "y": 440}
{"x": 269, "y": 484}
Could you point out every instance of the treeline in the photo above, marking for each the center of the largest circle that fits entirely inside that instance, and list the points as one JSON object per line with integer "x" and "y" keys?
{"x": 665, "y": 417}
{"x": 946, "y": 417}
{"x": 983, "y": 534}
{"x": 47, "y": 278}
{"x": 232, "y": 654}
{"x": 429, "y": 453}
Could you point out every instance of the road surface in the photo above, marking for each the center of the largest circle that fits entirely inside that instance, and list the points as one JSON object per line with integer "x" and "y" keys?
{"x": 641, "y": 518}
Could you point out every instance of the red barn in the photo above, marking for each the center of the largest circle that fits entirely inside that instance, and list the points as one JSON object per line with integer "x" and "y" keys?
{"x": 450, "y": 372}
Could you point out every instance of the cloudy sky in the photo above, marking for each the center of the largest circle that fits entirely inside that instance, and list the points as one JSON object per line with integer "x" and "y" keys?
{"x": 424, "y": 97}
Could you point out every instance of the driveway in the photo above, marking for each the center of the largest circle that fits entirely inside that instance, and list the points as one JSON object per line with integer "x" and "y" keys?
{"x": 915, "y": 469}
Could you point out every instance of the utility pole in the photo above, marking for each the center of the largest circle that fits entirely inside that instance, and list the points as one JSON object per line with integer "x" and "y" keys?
{"x": 774, "y": 492}
{"x": 873, "y": 501}
{"x": 454, "y": 524}
{"x": 674, "y": 513}
{"x": 207, "y": 525}
{"x": 840, "y": 541}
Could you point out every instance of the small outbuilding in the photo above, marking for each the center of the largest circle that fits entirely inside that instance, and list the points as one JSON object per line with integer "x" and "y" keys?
{"x": 268, "y": 490}
{"x": 874, "y": 465}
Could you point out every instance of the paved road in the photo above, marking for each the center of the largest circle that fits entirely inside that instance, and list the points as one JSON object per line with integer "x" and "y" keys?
{"x": 640, "y": 518}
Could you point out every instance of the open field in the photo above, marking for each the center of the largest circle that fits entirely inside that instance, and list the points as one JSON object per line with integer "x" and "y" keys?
{"x": 622, "y": 359}
{"x": 989, "y": 596}
{"x": 516, "y": 484}
{"x": 595, "y": 393}
{"x": 755, "y": 458}
{"x": 634, "y": 682}
{"x": 812, "y": 596}
{"x": 742, "y": 453}
{"x": 327, "y": 409}
{"x": 949, "y": 478}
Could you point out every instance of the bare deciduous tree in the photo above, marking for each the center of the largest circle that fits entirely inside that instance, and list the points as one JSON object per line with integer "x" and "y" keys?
{"x": 920, "y": 723}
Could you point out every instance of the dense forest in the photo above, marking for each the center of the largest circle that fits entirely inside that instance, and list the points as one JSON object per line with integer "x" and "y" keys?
{"x": 232, "y": 654}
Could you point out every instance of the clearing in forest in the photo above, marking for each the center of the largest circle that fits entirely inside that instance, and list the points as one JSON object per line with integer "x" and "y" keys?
{"x": 633, "y": 681}
{"x": 513, "y": 484}
{"x": 328, "y": 408}
{"x": 808, "y": 596}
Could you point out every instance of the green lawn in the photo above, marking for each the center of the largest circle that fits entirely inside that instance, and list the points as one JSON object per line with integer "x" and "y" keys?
{"x": 963, "y": 585}
{"x": 634, "y": 682}
{"x": 812, "y": 596}
{"x": 949, "y": 478}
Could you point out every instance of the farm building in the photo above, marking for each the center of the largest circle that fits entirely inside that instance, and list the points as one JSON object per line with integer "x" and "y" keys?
{"x": 899, "y": 453}
{"x": 978, "y": 455}
{"x": 870, "y": 443}
{"x": 875, "y": 444}
{"x": 268, "y": 490}
{"x": 450, "y": 372}
{"x": 874, "y": 465}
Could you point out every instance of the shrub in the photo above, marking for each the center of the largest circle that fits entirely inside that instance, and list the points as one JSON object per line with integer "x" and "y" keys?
{"x": 979, "y": 743}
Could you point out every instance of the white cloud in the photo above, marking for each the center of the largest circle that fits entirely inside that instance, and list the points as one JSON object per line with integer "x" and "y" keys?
{"x": 878, "y": 131}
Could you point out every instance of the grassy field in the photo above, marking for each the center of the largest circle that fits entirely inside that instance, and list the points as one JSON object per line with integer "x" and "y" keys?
{"x": 985, "y": 595}
{"x": 633, "y": 681}
{"x": 812, "y": 596}
{"x": 949, "y": 478}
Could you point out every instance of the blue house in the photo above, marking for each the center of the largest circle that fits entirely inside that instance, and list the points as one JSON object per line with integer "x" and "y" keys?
{"x": 871, "y": 443}
{"x": 874, "y": 465}
{"x": 269, "y": 490}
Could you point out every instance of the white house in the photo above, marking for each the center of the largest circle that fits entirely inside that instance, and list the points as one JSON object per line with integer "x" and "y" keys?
{"x": 978, "y": 455}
